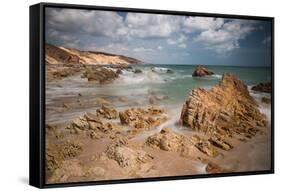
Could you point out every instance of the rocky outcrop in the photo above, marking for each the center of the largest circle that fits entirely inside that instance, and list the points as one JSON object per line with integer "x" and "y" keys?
{"x": 91, "y": 125}
{"x": 168, "y": 140}
{"x": 57, "y": 153}
{"x": 142, "y": 118}
{"x": 224, "y": 110}
{"x": 62, "y": 55}
{"x": 263, "y": 87}
{"x": 107, "y": 112}
{"x": 101, "y": 74}
{"x": 201, "y": 71}
{"x": 127, "y": 157}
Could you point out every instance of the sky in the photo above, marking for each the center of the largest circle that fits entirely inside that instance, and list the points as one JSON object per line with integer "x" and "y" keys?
{"x": 162, "y": 39}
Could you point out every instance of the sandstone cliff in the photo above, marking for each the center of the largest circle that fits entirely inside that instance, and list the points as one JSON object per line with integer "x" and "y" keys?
{"x": 62, "y": 55}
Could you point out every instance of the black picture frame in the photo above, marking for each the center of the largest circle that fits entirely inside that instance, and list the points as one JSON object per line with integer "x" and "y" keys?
{"x": 37, "y": 94}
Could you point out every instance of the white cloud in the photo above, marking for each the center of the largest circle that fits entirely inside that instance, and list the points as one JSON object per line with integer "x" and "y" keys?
{"x": 142, "y": 49}
{"x": 180, "y": 41}
{"x": 159, "y": 47}
{"x": 198, "y": 24}
{"x": 226, "y": 37}
{"x": 151, "y": 25}
{"x": 79, "y": 28}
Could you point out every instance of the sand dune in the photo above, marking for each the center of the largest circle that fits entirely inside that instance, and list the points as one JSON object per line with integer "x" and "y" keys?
{"x": 63, "y": 55}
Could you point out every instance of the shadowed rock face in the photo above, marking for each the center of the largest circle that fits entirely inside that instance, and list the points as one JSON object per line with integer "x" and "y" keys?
{"x": 263, "y": 87}
{"x": 223, "y": 110}
{"x": 200, "y": 71}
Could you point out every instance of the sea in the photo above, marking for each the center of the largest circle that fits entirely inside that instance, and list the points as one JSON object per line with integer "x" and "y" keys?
{"x": 169, "y": 86}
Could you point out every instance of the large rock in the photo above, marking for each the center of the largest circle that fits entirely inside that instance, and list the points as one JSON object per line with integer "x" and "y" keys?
{"x": 127, "y": 156}
{"x": 200, "y": 71}
{"x": 168, "y": 140}
{"x": 263, "y": 87}
{"x": 142, "y": 118}
{"x": 226, "y": 108}
{"x": 101, "y": 74}
{"x": 91, "y": 125}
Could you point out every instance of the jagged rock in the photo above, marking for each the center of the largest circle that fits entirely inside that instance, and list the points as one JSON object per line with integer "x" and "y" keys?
{"x": 57, "y": 153}
{"x": 204, "y": 146}
{"x": 142, "y": 118}
{"x": 168, "y": 140}
{"x": 126, "y": 157}
{"x": 101, "y": 74}
{"x": 219, "y": 142}
{"x": 263, "y": 87}
{"x": 106, "y": 112}
{"x": 223, "y": 110}
{"x": 200, "y": 71}
{"x": 91, "y": 125}
{"x": 266, "y": 100}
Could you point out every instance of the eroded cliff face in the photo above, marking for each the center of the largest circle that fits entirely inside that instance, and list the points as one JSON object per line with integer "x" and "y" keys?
{"x": 62, "y": 55}
{"x": 225, "y": 109}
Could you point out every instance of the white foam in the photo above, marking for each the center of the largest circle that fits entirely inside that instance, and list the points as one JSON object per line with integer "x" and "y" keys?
{"x": 146, "y": 76}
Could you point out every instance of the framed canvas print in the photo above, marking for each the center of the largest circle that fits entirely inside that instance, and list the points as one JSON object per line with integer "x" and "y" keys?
{"x": 124, "y": 95}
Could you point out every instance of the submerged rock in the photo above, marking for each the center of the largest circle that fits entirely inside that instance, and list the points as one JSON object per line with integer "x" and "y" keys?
{"x": 142, "y": 118}
{"x": 101, "y": 74}
{"x": 266, "y": 100}
{"x": 223, "y": 110}
{"x": 201, "y": 71}
{"x": 263, "y": 87}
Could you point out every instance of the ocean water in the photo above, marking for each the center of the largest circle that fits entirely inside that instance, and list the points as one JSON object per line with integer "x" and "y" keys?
{"x": 178, "y": 84}
{"x": 171, "y": 84}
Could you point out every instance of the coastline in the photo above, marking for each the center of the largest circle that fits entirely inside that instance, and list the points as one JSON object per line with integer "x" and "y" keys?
{"x": 71, "y": 102}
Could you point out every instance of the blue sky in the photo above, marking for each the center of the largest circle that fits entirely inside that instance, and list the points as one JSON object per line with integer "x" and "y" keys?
{"x": 162, "y": 39}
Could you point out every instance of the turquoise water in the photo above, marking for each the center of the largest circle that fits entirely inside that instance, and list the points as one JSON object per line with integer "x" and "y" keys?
{"x": 135, "y": 89}
{"x": 178, "y": 84}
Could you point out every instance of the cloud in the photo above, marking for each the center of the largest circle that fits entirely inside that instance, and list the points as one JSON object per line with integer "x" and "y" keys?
{"x": 198, "y": 24}
{"x": 142, "y": 49}
{"x": 152, "y": 25}
{"x": 89, "y": 29}
{"x": 180, "y": 41}
{"x": 226, "y": 37}
{"x": 159, "y": 47}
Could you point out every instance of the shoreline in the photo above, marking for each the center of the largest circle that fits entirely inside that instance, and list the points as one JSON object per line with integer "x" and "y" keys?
{"x": 170, "y": 163}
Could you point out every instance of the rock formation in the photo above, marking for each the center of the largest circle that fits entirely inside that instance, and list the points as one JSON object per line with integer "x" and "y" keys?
{"x": 200, "y": 71}
{"x": 142, "y": 118}
{"x": 168, "y": 140}
{"x": 263, "y": 87}
{"x": 129, "y": 158}
{"x": 225, "y": 109}
{"x": 101, "y": 74}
